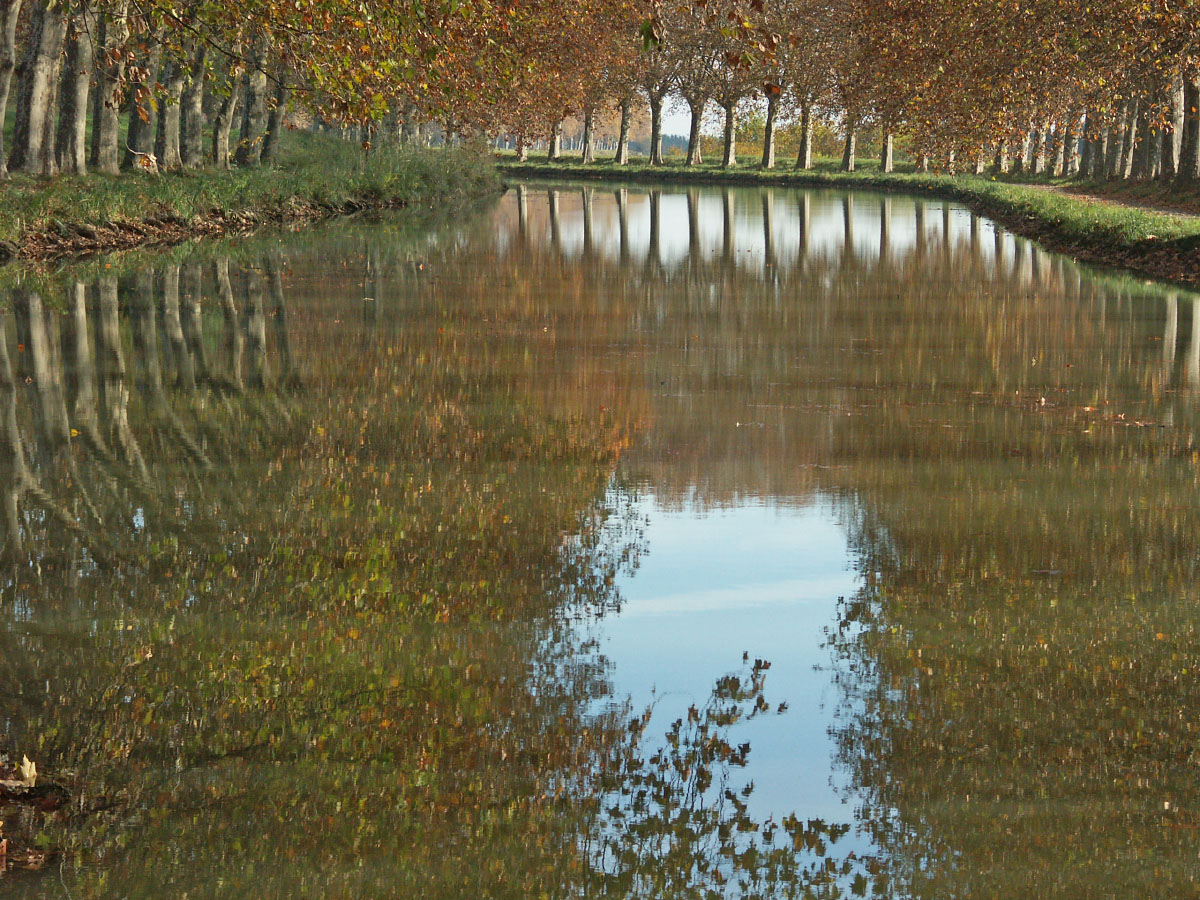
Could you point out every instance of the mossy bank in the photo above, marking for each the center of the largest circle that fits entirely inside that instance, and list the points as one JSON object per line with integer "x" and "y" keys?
{"x": 1158, "y": 244}
{"x": 315, "y": 176}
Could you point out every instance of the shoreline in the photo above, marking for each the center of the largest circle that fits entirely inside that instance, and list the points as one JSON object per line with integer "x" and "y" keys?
{"x": 72, "y": 219}
{"x": 1152, "y": 243}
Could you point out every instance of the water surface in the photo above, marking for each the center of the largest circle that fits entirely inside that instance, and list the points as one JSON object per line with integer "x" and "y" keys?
{"x": 344, "y": 563}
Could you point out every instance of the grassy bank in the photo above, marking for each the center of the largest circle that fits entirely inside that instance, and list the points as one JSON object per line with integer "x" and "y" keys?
{"x": 314, "y": 176}
{"x": 1160, "y": 244}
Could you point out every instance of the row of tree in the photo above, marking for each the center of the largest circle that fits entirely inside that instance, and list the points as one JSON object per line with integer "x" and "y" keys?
{"x": 107, "y": 84}
{"x": 1095, "y": 89}
{"x": 1099, "y": 89}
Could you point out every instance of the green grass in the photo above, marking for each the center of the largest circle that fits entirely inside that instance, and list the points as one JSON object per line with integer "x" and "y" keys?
{"x": 310, "y": 168}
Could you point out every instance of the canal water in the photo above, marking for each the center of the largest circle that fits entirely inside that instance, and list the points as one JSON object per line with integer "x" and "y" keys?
{"x": 604, "y": 543}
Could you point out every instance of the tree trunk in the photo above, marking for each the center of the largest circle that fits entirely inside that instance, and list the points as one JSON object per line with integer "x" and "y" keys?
{"x": 275, "y": 119}
{"x": 554, "y": 146}
{"x": 37, "y": 92}
{"x": 1085, "y": 153}
{"x": 254, "y": 109}
{"x": 1115, "y": 156}
{"x": 656, "y": 108}
{"x": 622, "y": 156}
{"x": 522, "y": 149}
{"x": 141, "y": 130}
{"x": 1000, "y": 164}
{"x": 848, "y": 153}
{"x": 1057, "y": 156}
{"x": 71, "y": 144}
{"x": 191, "y": 129}
{"x": 1131, "y": 138}
{"x": 694, "y": 156}
{"x": 166, "y": 140}
{"x": 1101, "y": 152}
{"x": 106, "y": 126}
{"x": 9, "y": 12}
{"x": 1169, "y": 164}
{"x": 804, "y": 158}
{"x": 1143, "y": 161}
{"x": 96, "y": 98}
{"x": 587, "y": 151}
{"x": 729, "y": 160}
{"x": 223, "y": 122}
{"x": 981, "y": 162}
{"x": 1018, "y": 164}
{"x": 1039, "y": 150}
{"x": 768, "y": 154}
{"x": 886, "y": 154}
{"x": 1189, "y": 151}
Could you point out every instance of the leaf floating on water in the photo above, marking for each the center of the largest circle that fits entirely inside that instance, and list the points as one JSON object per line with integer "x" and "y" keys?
{"x": 28, "y": 771}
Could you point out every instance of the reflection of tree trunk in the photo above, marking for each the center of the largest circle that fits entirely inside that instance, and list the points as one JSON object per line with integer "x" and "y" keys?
{"x": 805, "y": 226}
{"x": 885, "y": 230}
{"x": 233, "y": 334}
{"x": 523, "y": 212}
{"x": 111, "y": 365}
{"x": 1193, "y": 357}
{"x": 192, "y": 318}
{"x": 143, "y": 308}
{"x": 256, "y": 329}
{"x": 13, "y": 472}
{"x": 50, "y": 409}
{"x": 919, "y": 243}
{"x": 587, "y": 222}
{"x": 847, "y": 229}
{"x": 946, "y": 234}
{"x": 143, "y": 313}
{"x": 555, "y": 227}
{"x": 287, "y": 368}
{"x": 768, "y": 220}
{"x": 83, "y": 375}
{"x": 1170, "y": 336}
{"x": 623, "y": 224}
{"x": 652, "y": 257}
{"x": 693, "y": 211}
{"x": 185, "y": 373}
{"x": 728, "y": 225}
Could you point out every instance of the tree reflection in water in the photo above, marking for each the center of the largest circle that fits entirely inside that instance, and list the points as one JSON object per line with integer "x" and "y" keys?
{"x": 298, "y": 535}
